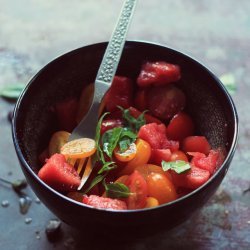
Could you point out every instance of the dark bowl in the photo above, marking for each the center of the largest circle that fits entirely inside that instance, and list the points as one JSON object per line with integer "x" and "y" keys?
{"x": 208, "y": 101}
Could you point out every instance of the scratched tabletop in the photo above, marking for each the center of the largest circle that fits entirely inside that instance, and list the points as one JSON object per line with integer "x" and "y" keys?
{"x": 216, "y": 33}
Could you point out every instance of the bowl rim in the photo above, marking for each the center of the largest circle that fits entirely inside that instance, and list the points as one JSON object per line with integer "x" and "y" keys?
{"x": 227, "y": 160}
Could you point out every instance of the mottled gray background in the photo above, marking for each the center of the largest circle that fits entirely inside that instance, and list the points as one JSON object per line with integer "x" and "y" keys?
{"x": 217, "y": 33}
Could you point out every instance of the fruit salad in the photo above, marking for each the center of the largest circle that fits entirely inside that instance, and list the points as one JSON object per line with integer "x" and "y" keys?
{"x": 146, "y": 151}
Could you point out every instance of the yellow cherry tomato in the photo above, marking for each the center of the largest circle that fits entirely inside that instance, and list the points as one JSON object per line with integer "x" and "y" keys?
{"x": 151, "y": 202}
{"x": 127, "y": 155}
{"x": 57, "y": 140}
{"x": 161, "y": 188}
{"x": 79, "y": 148}
{"x": 143, "y": 153}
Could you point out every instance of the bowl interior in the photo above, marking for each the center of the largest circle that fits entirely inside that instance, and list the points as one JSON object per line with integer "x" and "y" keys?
{"x": 207, "y": 102}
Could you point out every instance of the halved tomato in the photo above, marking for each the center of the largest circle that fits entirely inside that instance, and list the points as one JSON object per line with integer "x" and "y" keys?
{"x": 57, "y": 140}
{"x": 127, "y": 155}
{"x": 138, "y": 189}
{"x": 180, "y": 126}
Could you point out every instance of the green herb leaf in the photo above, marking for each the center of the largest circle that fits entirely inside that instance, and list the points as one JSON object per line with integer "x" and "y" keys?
{"x": 178, "y": 166}
{"x": 99, "y": 153}
{"x": 229, "y": 82}
{"x": 110, "y": 140}
{"x": 13, "y": 91}
{"x": 116, "y": 190}
{"x": 107, "y": 166}
{"x": 94, "y": 182}
{"x": 132, "y": 122}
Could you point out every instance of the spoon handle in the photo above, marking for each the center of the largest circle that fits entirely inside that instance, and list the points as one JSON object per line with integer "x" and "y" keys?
{"x": 106, "y": 72}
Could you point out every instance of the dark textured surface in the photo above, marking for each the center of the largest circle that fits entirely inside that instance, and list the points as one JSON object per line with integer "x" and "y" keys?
{"x": 215, "y": 32}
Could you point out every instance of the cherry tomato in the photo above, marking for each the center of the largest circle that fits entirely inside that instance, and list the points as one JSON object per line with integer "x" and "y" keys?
{"x": 143, "y": 153}
{"x": 158, "y": 73}
{"x": 119, "y": 94}
{"x": 79, "y": 148}
{"x": 151, "y": 202}
{"x": 138, "y": 189}
{"x": 140, "y": 100}
{"x": 165, "y": 101}
{"x": 178, "y": 156}
{"x": 159, "y": 155}
{"x": 149, "y": 118}
{"x": 180, "y": 126}
{"x": 196, "y": 144}
{"x": 127, "y": 155}
{"x": 147, "y": 169}
{"x": 109, "y": 124}
{"x": 58, "y": 139}
{"x": 161, "y": 188}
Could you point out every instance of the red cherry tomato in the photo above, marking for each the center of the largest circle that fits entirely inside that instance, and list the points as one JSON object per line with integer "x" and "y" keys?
{"x": 158, "y": 73}
{"x": 119, "y": 94}
{"x": 180, "y": 126}
{"x": 149, "y": 118}
{"x": 138, "y": 188}
{"x": 159, "y": 155}
{"x": 140, "y": 100}
{"x": 109, "y": 124}
{"x": 165, "y": 101}
{"x": 178, "y": 156}
{"x": 196, "y": 144}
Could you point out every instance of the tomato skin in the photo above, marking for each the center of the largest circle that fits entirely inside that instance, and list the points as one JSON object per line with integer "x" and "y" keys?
{"x": 180, "y": 126}
{"x": 147, "y": 169}
{"x": 178, "y": 156}
{"x": 104, "y": 203}
{"x": 161, "y": 188}
{"x": 159, "y": 155}
{"x": 109, "y": 124}
{"x": 140, "y": 100}
{"x": 155, "y": 135}
{"x": 66, "y": 114}
{"x": 119, "y": 94}
{"x": 138, "y": 188}
{"x": 196, "y": 144}
{"x": 126, "y": 156}
{"x": 143, "y": 153}
{"x": 58, "y": 174}
{"x": 149, "y": 118}
{"x": 158, "y": 73}
{"x": 165, "y": 101}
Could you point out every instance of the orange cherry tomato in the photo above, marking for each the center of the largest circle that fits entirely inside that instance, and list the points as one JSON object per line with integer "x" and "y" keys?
{"x": 138, "y": 189}
{"x": 161, "y": 188}
{"x": 122, "y": 179}
{"x": 146, "y": 169}
{"x": 151, "y": 202}
{"x": 127, "y": 155}
{"x": 178, "y": 156}
{"x": 79, "y": 148}
{"x": 57, "y": 140}
{"x": 143, "y": 153}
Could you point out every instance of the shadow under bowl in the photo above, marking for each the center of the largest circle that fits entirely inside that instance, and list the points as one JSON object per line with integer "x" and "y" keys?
{"x": 208, "y": 102}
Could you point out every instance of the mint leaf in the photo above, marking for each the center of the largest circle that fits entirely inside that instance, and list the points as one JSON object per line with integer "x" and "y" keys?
{"x": 116, "y": 190}
{"x": 13, "y": 91}
{"x": 177, "y": 166}
{"x": 132, "y": 122}
{"x": 94, "y": 182}
{"x": 107, "y": 166}
{"x": 110, "y": 140}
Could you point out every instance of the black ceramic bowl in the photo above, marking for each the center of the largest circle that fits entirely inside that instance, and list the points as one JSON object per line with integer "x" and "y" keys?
{"x": 208, "y": 102}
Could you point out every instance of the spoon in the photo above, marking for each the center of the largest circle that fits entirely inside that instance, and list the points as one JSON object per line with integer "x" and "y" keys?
{"x": 87, "y": 126}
